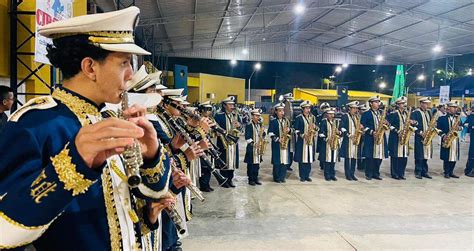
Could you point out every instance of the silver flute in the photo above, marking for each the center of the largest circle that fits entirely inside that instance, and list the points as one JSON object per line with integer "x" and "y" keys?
{"x": 132, "y": 156}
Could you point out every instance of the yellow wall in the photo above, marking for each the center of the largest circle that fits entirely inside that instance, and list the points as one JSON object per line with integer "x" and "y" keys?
{"x": 33, "y": 84}
{"x": 222, "y": 87}
{"x": 193, "y": 94}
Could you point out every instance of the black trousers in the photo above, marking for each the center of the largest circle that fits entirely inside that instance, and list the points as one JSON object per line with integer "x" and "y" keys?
{"x": 421, "y": 167}
{"x": 398, "y": 166}
{"x": 448, "y": 167}
{"x": 469, "y": 167}
{"x": 229, "y": 174}
{"x": 169, "y": 232}
{"x": 304, "y": 170}
{"x": 252, "y": 172}
{"x": 361, "y": 164}
{"x": 205, "y": 178}
{"x": 349, "y": 167}
{"x": 372, "y": 167}
{"x": 329, "y": 171}
{"x": 279, "y": 172}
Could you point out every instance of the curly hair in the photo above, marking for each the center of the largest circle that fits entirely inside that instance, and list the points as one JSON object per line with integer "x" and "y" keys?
{"x": 67, "y": 53}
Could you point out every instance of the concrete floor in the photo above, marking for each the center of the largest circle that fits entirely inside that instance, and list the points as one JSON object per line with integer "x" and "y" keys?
{"x": 365, "y": 215}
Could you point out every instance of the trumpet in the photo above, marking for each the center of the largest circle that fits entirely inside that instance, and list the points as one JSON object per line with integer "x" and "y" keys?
{"x": 132, "y": 156}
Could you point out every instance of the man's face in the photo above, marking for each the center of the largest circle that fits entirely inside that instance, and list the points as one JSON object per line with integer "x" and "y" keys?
{"x": 173, "y": 111}
{"x": 256, "y": 118}
{"x": 207, "y": 112}
{"x": 401, "y": 106}
{"x": 112, "y": 74}
{"x": 424, "y": 105}
{"x": 306, "y": 110}
{"x": 375, "y": 105}
{"x": 354, "y": 110}
{"x": 229, "y": 107}
{"x": 8, "y": 102}
{"x": 330, "y": 116}
{"x": 280, "y": 112}
{"x": 452, "y": 109}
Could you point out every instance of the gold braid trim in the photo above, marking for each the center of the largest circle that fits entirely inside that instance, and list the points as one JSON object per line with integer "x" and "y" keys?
{"x": 112, "y": 217}
{"x": 18, "y": 224}
{"x": 67, "y": 174}
{"x": 158, "y": 169}
{"x": 78, "y": 106}
{"x": 201, "y": 132}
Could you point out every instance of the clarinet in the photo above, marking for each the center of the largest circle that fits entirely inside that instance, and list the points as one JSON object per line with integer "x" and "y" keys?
{"x": 217, "y": 128}
{"x": 132, "y": 156}
{"x": 176, "y": 218}
{"x": 220, "y": 179}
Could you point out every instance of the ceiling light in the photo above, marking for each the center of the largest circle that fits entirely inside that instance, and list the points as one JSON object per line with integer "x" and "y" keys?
{"x": 379, "y": 58}
{"x": 345, "y": 65}
{"x": 382, "y": 85}
{"x": 338, "y": 69}
{"x": 421, "y": 77}
{"x": 258, "y": 66}
{"x": 438, "y": 72}
{"x": 245, "y": 51}
{"x": 437, "y": 48}
{"x": 299, "y": 9}
{"x": 233, "y": 62}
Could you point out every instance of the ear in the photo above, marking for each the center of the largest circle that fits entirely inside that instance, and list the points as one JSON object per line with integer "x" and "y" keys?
{"x": 89, "y": 68}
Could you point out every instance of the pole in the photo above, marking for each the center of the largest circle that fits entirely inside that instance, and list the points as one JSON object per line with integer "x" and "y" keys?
{"x": 250, "y": 80}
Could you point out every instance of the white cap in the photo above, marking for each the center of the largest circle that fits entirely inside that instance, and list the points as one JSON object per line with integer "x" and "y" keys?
{"x": 185, "y": 102}
{"x": 206, "y": 104}
{"x": 324, "y": 105}
{"x": 452, "y": 104}
{"x": 257, "y": 112}
{"x": 229, "y": 100}
{"x": 331, "y": 110}
{"x": 140, "y": 80}
{"x": 353, "y": 104}
{"x": 279, "y": 105}
{"x": 111, "y": 31}
{"x": 401, "y": 100}
{"x": 173, "y": 94}
{"x": 425, "y": 100}
{"x": 374, "y": 98}
{"x": 305, "y": 103}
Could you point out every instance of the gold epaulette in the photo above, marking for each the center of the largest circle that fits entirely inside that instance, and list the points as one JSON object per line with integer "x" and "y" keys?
{"x": 40, "y": 103}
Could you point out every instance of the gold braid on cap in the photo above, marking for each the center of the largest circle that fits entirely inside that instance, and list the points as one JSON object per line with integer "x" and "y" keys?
{"x": 103, "y": 37}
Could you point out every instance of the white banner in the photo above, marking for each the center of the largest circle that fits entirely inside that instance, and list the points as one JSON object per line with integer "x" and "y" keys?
{"x": 48, "y": 12}
{"x": 444, "y": 94}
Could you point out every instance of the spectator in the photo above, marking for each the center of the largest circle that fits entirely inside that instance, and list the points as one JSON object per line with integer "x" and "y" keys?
{"x": 6, "y": 102}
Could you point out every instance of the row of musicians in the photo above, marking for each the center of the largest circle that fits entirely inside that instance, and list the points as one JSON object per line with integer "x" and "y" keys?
{"x": 354, "y": 138}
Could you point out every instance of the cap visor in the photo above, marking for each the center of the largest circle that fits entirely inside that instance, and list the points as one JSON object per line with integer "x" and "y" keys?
{"x": 127, "y": 48}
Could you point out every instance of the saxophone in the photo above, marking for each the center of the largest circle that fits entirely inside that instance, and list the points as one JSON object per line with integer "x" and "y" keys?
{"x": 358, "y": 131}
{"x": 452, "y": 134}
{"x": 312, "y": 130}
{"x": 431, "y": 132}
{"x": 262, "y": 142}
{"x": 334, "y": 139}
{"x": 285, "y": 136}
{"x": 379, "y": 132}
{"x": 407, "y": 130}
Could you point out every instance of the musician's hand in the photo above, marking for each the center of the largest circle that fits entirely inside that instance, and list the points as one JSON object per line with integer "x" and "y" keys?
{"x": 204, "y": 144}
{"x": 192, "y": 122}
{"x": 205, "y": 124}
{"x": 135, "y": 111}
{"x": 444, "y": 138}
{"x": 193, "y": 151}
{"x": 149, "y": 142}
{"x": 155, "y": 208}
{"x": 180, "y": 179}
{"x": 95, "y": 143}
{"x": 177, "y": 142}
{"x": 287, "y": 130}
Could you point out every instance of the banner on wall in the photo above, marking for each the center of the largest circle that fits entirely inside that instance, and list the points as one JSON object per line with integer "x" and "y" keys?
{"x": 48, "y": 11}
{"x": 444, "y": 94}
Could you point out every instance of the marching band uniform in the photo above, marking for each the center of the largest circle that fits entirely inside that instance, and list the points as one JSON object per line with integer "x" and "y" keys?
{"x": 469, "y": 123}
{"x": 229, "y": 150}
{"x": 205, "y": 178}
{"x": 43, "y": 197}
{"x": 280, "y": 157}
{"x": 320, "y": 118}
{"x": 349, "y": 151}
{"x": 327, "y": 154}
{"x": 449, "y": 155}
{"x": 252, "y": 156}
{"x": 361, "y": 163}
{"x": 398, "y": 152}
{"x": 373, "y": 153}
{"x": 305, "y": 151}
{"x": 422, "y": 153}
